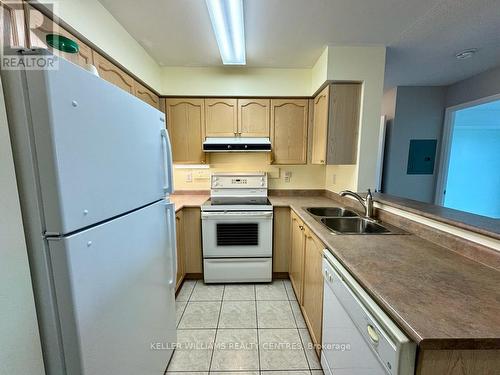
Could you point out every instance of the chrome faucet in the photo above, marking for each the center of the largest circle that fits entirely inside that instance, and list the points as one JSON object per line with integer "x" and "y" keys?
{"x": 367, "y": 202}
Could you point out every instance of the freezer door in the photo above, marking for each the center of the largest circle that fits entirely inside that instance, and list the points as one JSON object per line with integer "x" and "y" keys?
{"x": 100, "y": 151}
{"x": 115, "y": 294}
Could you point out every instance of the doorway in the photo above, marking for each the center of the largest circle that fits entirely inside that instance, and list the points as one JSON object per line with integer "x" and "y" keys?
{"x": 470, "y": 164}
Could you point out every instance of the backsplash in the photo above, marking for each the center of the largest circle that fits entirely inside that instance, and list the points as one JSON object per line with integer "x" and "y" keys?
{"x": 301, "y": 177}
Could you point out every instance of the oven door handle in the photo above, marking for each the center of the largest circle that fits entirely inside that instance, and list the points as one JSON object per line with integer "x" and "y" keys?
{"x": 229, "y": 215}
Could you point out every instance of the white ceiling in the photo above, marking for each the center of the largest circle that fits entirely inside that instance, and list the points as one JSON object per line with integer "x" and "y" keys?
{"x": 422, "y": 35}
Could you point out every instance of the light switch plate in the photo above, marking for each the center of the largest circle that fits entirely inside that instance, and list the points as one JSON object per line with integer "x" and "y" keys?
{"x": 288, "y": 176}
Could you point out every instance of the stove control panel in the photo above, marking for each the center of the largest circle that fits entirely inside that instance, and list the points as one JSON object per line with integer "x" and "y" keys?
{"x": 239, "y": 181}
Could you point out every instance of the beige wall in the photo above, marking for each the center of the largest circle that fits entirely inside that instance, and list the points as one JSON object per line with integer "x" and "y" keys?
{"x": 341, "y": 177}
{"x": 20, "y": 350}
{"x": 319, "y": 71}
{"x": 303, "y": 176}
{"x": 235, "y": 81}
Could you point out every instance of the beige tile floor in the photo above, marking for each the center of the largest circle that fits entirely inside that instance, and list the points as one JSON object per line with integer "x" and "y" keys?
{"x": 241, "y": 329}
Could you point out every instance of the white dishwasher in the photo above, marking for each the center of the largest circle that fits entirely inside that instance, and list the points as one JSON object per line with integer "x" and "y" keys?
{"x": 358, "y": 337}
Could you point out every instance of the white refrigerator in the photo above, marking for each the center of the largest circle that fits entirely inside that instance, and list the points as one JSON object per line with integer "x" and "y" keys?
{"x": 94, "y": 171}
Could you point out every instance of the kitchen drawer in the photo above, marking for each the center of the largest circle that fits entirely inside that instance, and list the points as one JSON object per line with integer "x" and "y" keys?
{"x": 237, "y": 270}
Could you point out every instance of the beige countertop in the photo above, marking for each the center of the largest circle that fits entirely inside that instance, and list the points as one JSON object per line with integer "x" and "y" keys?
{"x": 441, "y": 299}
{"x": 188, "y": 200}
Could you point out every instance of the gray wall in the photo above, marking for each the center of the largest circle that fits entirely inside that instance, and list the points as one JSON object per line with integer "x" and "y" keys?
{"x": 418, "y": 114}
{"x": 477, "y": 87}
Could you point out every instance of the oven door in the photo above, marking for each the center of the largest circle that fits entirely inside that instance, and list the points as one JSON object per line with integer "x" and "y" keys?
{"x": 238, "y": 234}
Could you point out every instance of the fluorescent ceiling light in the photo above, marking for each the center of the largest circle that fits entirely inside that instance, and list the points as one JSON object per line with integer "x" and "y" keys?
{"x": 228, "y": 24}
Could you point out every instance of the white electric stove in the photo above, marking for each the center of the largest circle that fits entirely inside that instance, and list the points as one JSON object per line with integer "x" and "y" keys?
{"x": 237, "y": 223}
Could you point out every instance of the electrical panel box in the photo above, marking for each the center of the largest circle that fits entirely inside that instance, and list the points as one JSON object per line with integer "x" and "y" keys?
{"x": 421, "y": 156}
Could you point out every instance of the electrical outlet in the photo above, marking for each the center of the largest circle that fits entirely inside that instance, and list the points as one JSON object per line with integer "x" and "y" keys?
{"x": 189, "y": 177}
{"x": 288, "y": 176}
{"x": 201, "y": 174}
{"x": 272, "y": 172}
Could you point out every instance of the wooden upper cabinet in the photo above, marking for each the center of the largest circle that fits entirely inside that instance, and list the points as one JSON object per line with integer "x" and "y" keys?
{"x": 289, "y": 120}
{"x": 336, "y": 124}
{"x": 13, "y": 27}
{"x": 111, "y": 73}
{"x": 185, "y": 124}
{"x": 146, "y": 95}
{"x": 221, "y": 117}
{"x": 312, "y": 294}
{"x": 39, "y": 26}
{"x": 320, "y": 126}
{"x": 344, "y": 123}
{"x": 253, "y": 117}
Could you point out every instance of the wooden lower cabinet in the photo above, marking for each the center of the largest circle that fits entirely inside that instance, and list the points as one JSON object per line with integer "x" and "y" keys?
{"x": 192, "y": 241}
{"x": 189, "y": 253}
{"x": 306, "y": 275}
{"x": 179, "y": 231}
{"x": 296, "y": 268}
{"x": 458, "y": 362}
{"x": 281, "y": 240}
{"x": 312, "y": 291}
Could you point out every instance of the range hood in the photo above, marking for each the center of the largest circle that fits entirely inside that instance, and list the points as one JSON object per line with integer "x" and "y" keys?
{"x": 237, "y": 144}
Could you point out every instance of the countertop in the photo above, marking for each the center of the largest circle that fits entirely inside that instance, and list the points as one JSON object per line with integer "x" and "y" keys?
{"x": 188, "y": 200}
{"x": 441, "y": 299}
{"x": 486, "y": 226}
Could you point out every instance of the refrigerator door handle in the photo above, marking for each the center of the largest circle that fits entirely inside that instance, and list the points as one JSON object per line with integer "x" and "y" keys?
{"x": 173, "y": 240}
{"x": 167, "y": 162}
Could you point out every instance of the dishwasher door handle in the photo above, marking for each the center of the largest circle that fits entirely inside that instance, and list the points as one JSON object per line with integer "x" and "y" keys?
{"x": 372, "y": 333}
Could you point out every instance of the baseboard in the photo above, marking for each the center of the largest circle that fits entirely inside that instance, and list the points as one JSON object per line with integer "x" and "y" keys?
{"x": 280, "y": 275}
{"x": 193, "y": 276}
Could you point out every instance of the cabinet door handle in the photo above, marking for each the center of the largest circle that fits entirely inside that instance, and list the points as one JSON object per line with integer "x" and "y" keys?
{"x": 301, "y": 227}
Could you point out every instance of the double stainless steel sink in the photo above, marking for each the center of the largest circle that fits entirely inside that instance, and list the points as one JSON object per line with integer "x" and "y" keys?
{"x": 342, "y": 221}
